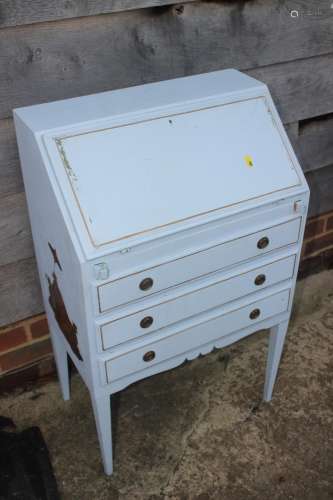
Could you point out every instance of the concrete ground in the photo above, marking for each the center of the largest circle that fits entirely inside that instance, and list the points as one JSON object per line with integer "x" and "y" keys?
{"x": 201, "y": 431}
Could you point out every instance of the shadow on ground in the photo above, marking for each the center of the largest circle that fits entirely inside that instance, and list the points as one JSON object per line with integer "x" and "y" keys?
{"x": 201, "y": 431}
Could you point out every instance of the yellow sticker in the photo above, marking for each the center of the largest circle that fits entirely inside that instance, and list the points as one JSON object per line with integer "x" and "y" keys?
{"x": 248, "y": 160}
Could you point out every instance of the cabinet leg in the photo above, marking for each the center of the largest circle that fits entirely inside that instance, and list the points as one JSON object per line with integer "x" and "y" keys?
{"x": 102, "y": 412}
{"x": 61, "y": 359}
{"x": 277, "y": 336}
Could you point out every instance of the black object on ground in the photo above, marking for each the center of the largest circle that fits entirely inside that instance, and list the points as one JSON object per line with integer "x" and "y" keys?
{"x": 25, "y": 469}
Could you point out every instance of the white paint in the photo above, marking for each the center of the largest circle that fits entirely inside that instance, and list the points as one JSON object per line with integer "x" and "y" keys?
{"x": 188, "y": 267}
{"x": 207, "y": 297}
{"x": 198, "y": 208}
{"x": 174, "y": 168}
{"x": 187, "y": 339}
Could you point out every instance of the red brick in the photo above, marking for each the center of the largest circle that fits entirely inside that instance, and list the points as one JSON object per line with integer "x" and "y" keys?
{"x": 311, "y": 265}
{"x": 46, "y": 367}
{"x": 328, "y": 258}
{"x": 314, "y": 227}
{"x": 36, "y": 374}
{"x": 320, "y": 243}
{"x": 39, "y": 329}
{"x": 25, "y": 355}
{"x": 12, "y": 338}
{"x": 18, "y": 378}
{"x": 329, "y": 226}
{"x": 316, "y": 264}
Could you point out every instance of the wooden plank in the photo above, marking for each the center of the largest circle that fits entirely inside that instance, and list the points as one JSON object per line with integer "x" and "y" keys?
{"x": 20, "y": 294}
{"x": 313, "y": 141}
{"x": 292, "y": 131}
{"x": 21, "y": 12}
{"x": 18, "y": 12}
{"x": 321, "y": 186}
{"x": 300, "y": 89}
{"x": 55, "y": 61}
{"x": 15, "y": 241}
{"x": 10, "y": 172}
{"x": 314, "y": 148}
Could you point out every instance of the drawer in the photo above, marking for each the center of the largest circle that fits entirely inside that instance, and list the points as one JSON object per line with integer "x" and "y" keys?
{"x": 195, "y": 336}
{"x": 208, "y": 297}
{"x": 142, "y": 284}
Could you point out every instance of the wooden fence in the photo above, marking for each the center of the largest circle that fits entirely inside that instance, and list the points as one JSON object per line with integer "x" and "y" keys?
{"x": 54, "y": 50}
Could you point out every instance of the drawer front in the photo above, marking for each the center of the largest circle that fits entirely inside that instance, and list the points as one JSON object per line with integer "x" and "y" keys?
{"x": 213, "y": 295}
{"x": 142, "y": 284}
{"x": 195, "y": 336}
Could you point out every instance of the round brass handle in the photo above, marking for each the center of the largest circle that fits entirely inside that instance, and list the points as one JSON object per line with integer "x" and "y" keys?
{"x": 146, "y": 322}
{"x": 260, "y": 279}
{"x": 146, "y": 284}
{"x": 255, "y": 314}
{"x": 149, "y": 356}
{"x": 263, "y": 242}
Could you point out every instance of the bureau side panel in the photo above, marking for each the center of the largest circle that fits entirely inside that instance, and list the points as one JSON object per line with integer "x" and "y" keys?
{"x": 58, "y": 255}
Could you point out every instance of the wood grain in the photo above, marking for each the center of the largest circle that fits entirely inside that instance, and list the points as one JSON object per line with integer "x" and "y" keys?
{"x": 321, "y": 187}
{"x": 93, "y": 54}
{"x": 18, "y": 12}
{"x": 315, "y": 143}
{"x": 10, "y": 173}
{"x": 292, "y": 131}
{"x": 83, "y": 52}
{"x": 300, "y": 89}
{"x": 15, "y": 241}
{"x": 20, "y": 294}
{"x": 314, "y": 147}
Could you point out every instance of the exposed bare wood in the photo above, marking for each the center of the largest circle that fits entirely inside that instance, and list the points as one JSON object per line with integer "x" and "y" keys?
{"x": 92, "y": 54}
{"x": 18, "y": 12}
{"x": 10, "y": 172}
{"x": 15, "y": 241}
{"x": 20, "y": 295}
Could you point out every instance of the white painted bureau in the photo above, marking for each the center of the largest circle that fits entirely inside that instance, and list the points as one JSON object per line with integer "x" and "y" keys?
{"x": 167, "y": 220}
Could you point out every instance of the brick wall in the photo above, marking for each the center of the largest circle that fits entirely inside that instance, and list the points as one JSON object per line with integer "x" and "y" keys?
{"x": 317, "y": 252}
{"x": 25, "y": 353}
{"x": 25, "y": 347}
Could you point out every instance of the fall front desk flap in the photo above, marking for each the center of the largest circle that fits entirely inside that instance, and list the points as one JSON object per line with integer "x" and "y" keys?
{"x": 131, "y": 179}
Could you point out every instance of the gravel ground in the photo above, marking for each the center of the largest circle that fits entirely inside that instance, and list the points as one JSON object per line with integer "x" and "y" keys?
{"x": 201, "y": 431}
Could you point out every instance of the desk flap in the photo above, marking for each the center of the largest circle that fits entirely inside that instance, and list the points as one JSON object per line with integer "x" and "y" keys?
{"x": 134, "y": 178}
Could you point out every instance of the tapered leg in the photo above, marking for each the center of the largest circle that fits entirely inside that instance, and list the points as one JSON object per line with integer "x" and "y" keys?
{"x": 102, "y": 411}
{"x": 61, "y": 359}
{"x": 277, "y": 336}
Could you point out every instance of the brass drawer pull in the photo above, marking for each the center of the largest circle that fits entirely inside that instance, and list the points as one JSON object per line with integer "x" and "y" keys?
{"x": 263, "y": 242}
{"x": 255, "y": 314}
{"x": 260, "y": 279}
{"x": 146, "y": 322}
{"x": 149, "y": 356}
{"x": 146, "y": 284}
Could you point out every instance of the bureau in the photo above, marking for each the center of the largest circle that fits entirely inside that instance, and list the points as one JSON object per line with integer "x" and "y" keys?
{"x": 167, "y": 220}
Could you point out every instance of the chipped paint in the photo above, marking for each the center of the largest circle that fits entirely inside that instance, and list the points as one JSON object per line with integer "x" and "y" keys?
{"x": 67, "y": 327}
{"x": 63, "y": 156}
{"x": 56, "y": 301}
{"x": 55, "y": 256}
